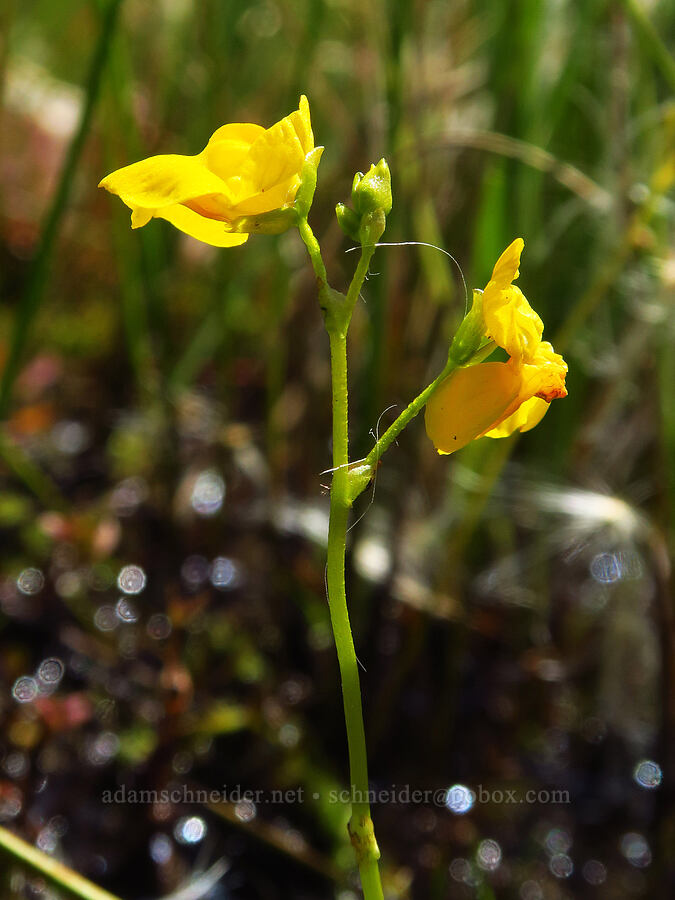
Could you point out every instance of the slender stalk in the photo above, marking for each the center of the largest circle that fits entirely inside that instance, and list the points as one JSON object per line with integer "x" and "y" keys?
{"x": 51, "y": 868}
{"x": 337, "y": 311}
{"x": 409, "y": 413}
{"x": 314, "y": 251}
{"x": 360, "y": 823}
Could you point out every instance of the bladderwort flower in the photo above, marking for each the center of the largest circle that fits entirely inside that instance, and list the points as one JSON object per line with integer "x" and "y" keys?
{"x": 244, "y": 181}
{"x": 494, "y": 399}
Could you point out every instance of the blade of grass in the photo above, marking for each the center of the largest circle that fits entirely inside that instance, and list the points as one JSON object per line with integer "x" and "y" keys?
{"x": 52, "y": 869}
{"x": 651, "y": 40}
{"x": 37, "y": 481}
{"x": 37, "y": 278}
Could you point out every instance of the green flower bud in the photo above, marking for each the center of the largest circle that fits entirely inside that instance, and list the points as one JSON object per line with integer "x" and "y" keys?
{"x": 372, "y": 191}
{"x": 372, "y": 227}
{"x": 348, "y": 220}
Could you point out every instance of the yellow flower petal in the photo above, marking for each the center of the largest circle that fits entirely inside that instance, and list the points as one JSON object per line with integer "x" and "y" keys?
{"x": 210, "y": 231}
{"x": 545, "y": 375}
{"x": 303, "y": 125}
{"x": 163, "y": 181}
{"x": 244, "y": 170}
{"x": 275, "y": 197}
{"x": 228, "y": 148}
{"x": 528, "y": 414}
{"x": 511, "y": 322}
{"x": 506, "y": 268}
{"x": 469, "y": 403}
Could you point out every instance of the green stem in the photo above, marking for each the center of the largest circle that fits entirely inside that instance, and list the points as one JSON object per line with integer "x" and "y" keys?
{"x": 360, "y": 823}
{"x": 409, "y": 413}
{"x": 337, "y": 313}
{"x": 51, "y": 868}
{"x": 314, "y": 251}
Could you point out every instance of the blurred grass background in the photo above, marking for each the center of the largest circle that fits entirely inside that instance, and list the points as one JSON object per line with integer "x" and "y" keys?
{"x": 166, "y": 407}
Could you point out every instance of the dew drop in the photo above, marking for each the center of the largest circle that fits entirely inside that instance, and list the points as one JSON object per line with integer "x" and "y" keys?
{"x": 161, "y": 848}
{"x": 208, "y": 493}
{"x": 131, "y": 580}
{"x": 636, "y": 850}
{"x": 25, "y": 689}
{"x": 190, "y": 830}
{"x": 159, "y": 626}
{"x": 594, "y": 872}
{"x": 606, "y": 568}
{"x": 105, "y": 618}
{"x": 50, "y": 671}
{"x": 30, "y": 581}
{"x": 126, "y": 611}
{"x": 224, "y": 573}
{"x": 561, "y": 865}
{"x": 648, "y": 774}
{"x": 459, "y": 799}
{"x": 245, "y": 811}
{"x": 489, "y": 855}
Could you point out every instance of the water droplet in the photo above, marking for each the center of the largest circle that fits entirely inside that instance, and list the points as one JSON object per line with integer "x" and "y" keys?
{"x": 461, "y": 870}
{"x": 161, "y": 848}
{"x": 605, "y": 568}
{"x": 224, "y": 573}
{"x": 103, "y": 748}
{"x": 561, "y": 865}
{"x": 289, "y": 735}
{"x": 68, "y": 585}
{"x": 59, "y": 825}
{"x": 50, "y": 671}
{"x": 636, "y": 850}
{"x": 70, "y": 438}
{"x": 30, "y": 581}
{"x": 531, "y": 890}
{"x": 25, "y": 689}
{"x": 159, "y": 626}
{"x": 459, "y": 799}
{"x": 126, "y": 611}
{"x": 208, "y": 493}
{"x": 128, "y": 496}
{"x": 105, "y": 618}
{"x": 594, "y": 872}
{"x": 131, "y": 580}
{"x": 558, "y": 840}
{"x": 372, "y": 559}
{"x": 11, "y": 802}
{"x": 489, "y": 855}
{"x": 648, "y": 774}
{"x": 245, "y": 810}
{"x": 190, "y": 830}
{"x": 182, "y": 762}
{"x": 16, "y": 764}
{"x": 195, "y": 571}
{"x": 47, "y": 841}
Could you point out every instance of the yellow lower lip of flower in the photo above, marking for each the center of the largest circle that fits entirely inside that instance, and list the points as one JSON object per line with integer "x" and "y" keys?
{"x": 528, "y": 414}
{"x": 470, "y": 403}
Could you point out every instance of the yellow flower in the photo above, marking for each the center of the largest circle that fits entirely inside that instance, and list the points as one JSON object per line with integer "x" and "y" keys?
{"x": 495, "y": 399}
{"x": 244, "y": 170}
